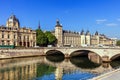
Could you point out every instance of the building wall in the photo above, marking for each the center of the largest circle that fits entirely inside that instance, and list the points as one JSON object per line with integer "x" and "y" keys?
{"x": 12, "y": 34}
{"x": 69, "y": 38}
{"x": 88, "y": 39}
{"x": 82, "y": 40}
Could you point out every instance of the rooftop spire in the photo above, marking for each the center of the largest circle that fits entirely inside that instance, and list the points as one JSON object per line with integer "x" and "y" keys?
{"x": 82, "y": 32}
{"x": 58, "y": 23}
{"x": 96, "y": 33}
{"x": 39, "y": 25}
{"x": 87, "y": 33}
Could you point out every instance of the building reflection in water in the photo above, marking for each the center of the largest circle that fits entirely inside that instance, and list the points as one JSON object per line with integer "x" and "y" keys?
{"x": 59, "y": 73}
{"x": 18, "y": 72}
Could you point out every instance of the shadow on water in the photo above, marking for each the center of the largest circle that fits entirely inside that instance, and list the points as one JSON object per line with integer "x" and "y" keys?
{"x": 83, "y": 62}
{"x": 115, "y": 63}
{"x": 55, "y": 56}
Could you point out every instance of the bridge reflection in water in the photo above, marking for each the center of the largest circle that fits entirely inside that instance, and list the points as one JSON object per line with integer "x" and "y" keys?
{"x": 55, "y": 66}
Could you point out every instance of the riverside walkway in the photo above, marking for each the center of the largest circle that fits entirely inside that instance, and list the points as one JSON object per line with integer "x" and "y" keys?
{"x": 112, "y": 75}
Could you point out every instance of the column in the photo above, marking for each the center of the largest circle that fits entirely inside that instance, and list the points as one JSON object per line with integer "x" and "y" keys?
{"x": 5, "y": 42}
{"x": 26, "y": 43}
{"x": 32, "y": 44}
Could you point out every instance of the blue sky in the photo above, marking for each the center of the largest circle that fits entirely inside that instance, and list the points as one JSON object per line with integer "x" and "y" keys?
{"x": 93, "y": 15}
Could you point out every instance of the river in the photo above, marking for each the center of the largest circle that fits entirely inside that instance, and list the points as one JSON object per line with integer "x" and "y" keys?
{"x": 52, "y": 68}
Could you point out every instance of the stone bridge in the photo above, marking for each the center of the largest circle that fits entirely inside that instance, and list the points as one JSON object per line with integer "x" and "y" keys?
{"x": 106, "y": 54}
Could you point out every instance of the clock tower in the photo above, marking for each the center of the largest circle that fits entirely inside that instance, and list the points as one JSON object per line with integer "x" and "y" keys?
{"x": 13, "y": 22}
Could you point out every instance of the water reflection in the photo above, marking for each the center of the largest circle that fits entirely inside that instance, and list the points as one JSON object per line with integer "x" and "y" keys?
{"x": 43, "y": 68}
{"x": 21, "y": 72}
{"x": 55, "y": 58}
{"x": 115, "y": 63}
{"x": 83, "y": 62}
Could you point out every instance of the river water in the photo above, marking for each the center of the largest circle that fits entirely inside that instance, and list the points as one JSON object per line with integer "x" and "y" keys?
{"x": 52, "y": 68}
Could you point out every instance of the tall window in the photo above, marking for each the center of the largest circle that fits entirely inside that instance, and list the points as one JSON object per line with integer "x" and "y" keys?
{"x": 14, "y": 36}
{"x": 20, "y": 38}
{"x": 2, "y": 42}
{"x": 14, "y": 43}
{"x": 8, "y": 36}
{"x": 8, "y": 42}
{"x": 33, "y": 37}
{"x": 24, "y": 38}
{"x": 27, "y": 38}
{"x": 2, "y": 34}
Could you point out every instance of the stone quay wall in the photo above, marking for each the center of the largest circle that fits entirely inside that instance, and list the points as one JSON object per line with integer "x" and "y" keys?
{"x": 12, "y": 53}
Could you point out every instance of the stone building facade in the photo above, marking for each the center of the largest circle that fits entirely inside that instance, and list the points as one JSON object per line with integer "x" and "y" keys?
{"x": 77, "y": 39}
{"x": 12, "y": 34}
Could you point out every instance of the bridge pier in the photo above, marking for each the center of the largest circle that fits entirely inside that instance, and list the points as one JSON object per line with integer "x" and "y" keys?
{"x": 105, "y": 59}
{"x": 67, "y": 56}
{"x": 106, "y": 65}
{"x": 94, "y": 57}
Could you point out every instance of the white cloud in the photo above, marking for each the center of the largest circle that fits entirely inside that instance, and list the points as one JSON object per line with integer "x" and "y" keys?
{"x": 99, "y": 21}
{"x": 112, "y": 24}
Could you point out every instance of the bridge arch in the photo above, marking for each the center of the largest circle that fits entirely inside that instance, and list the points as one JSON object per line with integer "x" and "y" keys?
{"x": 91, "y": 55}
{"x": 116, "y": 56}
{"x": 78, "y": 50}
{"x": 54, "y": 52}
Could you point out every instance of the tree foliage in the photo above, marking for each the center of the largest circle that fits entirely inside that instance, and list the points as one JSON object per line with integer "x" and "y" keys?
{"x": 118, "y": 43}
{"x": 41, "y": 38}
{"x": 44, "y": 39}
{"x": 51, "y": 38}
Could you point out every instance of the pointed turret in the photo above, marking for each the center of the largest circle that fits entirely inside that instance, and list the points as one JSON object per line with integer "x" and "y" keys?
{"x": 82, "y": 32}
{"x": 87, "y": 33}
{"x": 58, "y": 23}
{"x": 96, "y": 33}
{"x": 39, "y": 25}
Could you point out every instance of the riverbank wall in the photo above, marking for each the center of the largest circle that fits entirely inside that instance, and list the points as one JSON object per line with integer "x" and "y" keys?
{"x": 14, "y": 53}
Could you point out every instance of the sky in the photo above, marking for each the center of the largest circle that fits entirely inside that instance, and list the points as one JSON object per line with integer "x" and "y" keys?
{"x": 74, "y": 15}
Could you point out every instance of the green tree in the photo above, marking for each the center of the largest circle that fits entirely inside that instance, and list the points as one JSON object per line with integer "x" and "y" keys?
{"x": 41, "y": 38}
{"x": 51, "y": 38}
{"x": 118, "y": 43}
